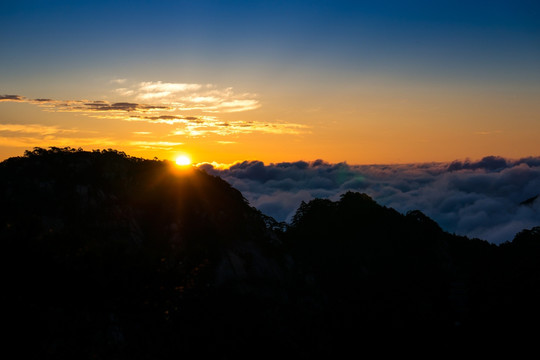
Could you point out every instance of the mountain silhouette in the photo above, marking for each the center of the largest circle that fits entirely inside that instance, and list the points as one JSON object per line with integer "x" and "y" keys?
{"x": 105, "y": 255}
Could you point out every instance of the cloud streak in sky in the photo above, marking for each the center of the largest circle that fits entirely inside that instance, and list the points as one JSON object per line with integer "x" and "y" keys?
{"x": 11, "y": 98}
{"x": 186, "y": 97}
{"x": 43, "y": 130}
{"x": 86, "y": 106}
{"x": 191, "y": 109}
{"x": 31, "y": 135}
{"x": 481, "y": 199}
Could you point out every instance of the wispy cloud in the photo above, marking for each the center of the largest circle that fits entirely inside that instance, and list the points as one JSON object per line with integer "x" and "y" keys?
{"x": 60, "y": 141}
{"x": 31, "y": 135}
{"x": 43, "y": 130}
{"x": 187, "y": 97}
{"x": 142, "y": 132}
{"x": 163, "y": 91}
{"x": 171, "y": 119}
{"x": 11, "y": 98}
{"x": 215, "y": 126}
{"x": 163, "y": 145}
{"x": 193, "y": 109}
{"x": 88, "y": 106}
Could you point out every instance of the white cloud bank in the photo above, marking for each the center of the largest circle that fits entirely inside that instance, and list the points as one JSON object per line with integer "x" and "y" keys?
{"x": 485, "y": 199}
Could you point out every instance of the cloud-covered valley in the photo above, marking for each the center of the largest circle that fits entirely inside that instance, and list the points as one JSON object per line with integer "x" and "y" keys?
{"x": 491, "y": 199}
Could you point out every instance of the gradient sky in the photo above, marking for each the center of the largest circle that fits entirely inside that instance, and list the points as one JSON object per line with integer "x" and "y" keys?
{"x": 224, "y": 81}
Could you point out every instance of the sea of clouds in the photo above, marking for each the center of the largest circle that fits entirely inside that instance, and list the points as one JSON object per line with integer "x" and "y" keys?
{"x": 490, "y": 199}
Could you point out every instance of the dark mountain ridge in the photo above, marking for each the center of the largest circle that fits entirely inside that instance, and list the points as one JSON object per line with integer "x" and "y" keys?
{"x": 111, "y": 256}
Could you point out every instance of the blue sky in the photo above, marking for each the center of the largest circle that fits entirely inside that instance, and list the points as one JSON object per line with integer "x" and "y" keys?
{"x": 348, "y": 59}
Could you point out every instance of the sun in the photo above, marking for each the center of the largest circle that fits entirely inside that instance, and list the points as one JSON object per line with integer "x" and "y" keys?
{"x": 183, "y": 160}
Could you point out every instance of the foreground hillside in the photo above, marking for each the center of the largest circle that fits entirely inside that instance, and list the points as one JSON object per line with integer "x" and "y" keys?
{"x": 110, "y": 256}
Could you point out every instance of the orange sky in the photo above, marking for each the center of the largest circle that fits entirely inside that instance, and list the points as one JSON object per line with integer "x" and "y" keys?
{"x": 339, "y": 81}
{"x": 364, "y": 126}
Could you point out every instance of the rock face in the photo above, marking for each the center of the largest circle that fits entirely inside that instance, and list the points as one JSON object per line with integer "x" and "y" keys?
{"x": 114, "y": 257}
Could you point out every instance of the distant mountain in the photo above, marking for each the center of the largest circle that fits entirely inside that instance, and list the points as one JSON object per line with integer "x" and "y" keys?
{"x": 110, "y": 256}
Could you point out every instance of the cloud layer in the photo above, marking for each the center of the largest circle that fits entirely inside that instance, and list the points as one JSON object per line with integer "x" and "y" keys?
{"x": 485, "y": 199}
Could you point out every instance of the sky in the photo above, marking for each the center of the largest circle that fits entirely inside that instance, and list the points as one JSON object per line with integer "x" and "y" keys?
{"x": 362, "y": 82}
{"x": 429, "y": 105}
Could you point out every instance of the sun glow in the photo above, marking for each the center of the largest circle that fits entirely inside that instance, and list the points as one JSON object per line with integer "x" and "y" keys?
{"x": 183, "y": 160}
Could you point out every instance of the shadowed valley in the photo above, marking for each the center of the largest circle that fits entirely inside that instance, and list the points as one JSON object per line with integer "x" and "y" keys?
{"x": 111, "y": 256}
